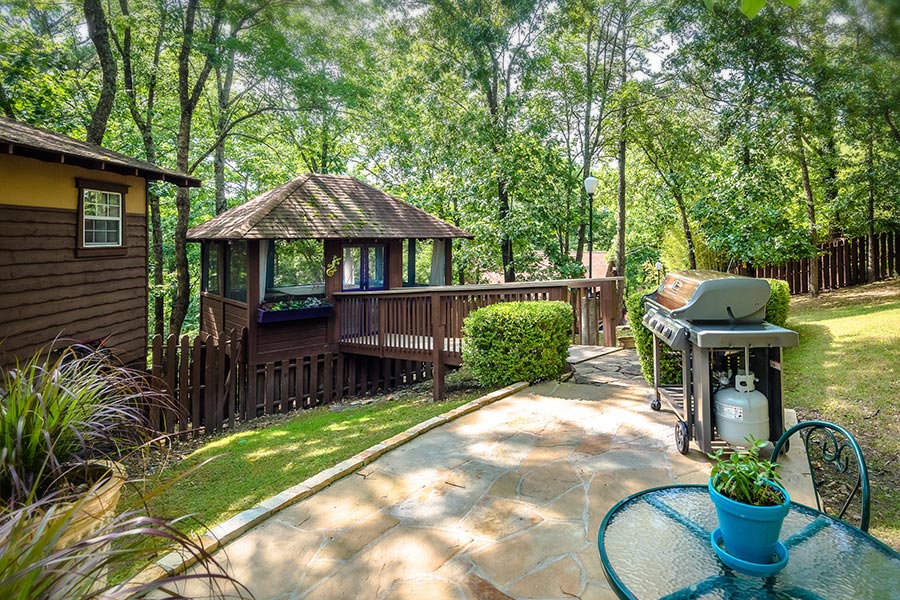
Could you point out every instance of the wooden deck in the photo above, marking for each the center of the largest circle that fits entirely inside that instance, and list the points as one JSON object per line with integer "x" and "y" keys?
{"x": 426, "y": 323}
{"x": 402, "y": 345}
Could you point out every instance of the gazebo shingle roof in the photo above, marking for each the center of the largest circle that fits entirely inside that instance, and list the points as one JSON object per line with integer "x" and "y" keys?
{"x": 34, "y": 142}
{"x": 315, "y": 206}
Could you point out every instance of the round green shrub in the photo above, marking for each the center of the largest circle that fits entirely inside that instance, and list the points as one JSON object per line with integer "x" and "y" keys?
{"x": 779, "y": 302}
{"x": 517, "y": 341}
{"x": 669, "y": 360}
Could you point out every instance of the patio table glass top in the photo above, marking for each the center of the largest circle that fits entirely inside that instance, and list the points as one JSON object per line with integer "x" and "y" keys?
{"x": 656, "y": 544}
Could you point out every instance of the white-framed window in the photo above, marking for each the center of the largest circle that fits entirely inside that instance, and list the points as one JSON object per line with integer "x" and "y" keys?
{"x": 101, "y": 219}
{"x": 102, "y": 227}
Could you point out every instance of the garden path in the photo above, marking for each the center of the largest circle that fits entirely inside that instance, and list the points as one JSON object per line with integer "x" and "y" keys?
{"x": 504, "y": 502}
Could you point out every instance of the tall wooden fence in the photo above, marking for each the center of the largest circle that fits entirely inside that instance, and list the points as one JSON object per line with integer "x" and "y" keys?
{"x": 210, "y": 385}
{"x": 843, "y": 263}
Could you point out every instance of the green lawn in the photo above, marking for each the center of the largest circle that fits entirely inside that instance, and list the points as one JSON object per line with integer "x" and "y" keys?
{"x": 847, "y": 370}
{"x": 253, "y": 465}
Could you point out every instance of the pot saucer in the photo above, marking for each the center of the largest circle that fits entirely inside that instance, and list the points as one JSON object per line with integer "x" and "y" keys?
{"x": 749, "y": 568}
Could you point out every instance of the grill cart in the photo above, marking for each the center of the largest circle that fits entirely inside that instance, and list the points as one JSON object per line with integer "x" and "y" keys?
{"x": 730, "y": 357}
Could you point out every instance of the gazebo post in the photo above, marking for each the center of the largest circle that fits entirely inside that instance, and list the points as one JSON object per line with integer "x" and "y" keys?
{"x": 448, "y": 261}
{"x": 252, "y": 301}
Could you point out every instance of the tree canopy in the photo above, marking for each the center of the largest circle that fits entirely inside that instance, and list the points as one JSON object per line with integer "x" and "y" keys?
{"x": 741, "y": 140}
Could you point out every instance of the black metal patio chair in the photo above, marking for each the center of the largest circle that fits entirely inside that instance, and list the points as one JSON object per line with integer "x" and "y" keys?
{"x": 839, "y": 476}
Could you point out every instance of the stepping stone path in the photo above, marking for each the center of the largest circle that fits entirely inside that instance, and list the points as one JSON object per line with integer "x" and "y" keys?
{"x": 619, "y": 367}
{"x": 504, "y": 502}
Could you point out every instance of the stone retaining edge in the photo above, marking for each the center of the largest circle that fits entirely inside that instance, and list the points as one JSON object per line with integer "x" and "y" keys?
{"x": 223, "y": 533}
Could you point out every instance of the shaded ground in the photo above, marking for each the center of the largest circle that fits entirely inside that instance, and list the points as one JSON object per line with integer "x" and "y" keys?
{"x": 847, "y": 370}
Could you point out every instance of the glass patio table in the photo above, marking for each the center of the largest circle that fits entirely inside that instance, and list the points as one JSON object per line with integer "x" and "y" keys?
{"x": 656, "y": 544}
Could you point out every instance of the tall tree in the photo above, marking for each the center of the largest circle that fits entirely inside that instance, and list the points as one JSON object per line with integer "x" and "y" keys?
{"x": 98, "y": 30}
{"x": 491, "y": 42}
{"x": 596, "y": 25}
{"x": 674, "y": 139}
{"x": 190, "y": 90}
{"x": 141, "y": 89}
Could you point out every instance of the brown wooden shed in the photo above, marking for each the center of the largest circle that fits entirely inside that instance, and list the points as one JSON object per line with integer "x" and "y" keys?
{"x": 73, "y": 243}
{"x": 300, "y": 244}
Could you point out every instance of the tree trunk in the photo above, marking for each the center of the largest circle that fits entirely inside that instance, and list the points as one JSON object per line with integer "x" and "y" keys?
{"x": 98, "y": 30}
{"x": 620, "y": 224}
{"x": 811, "y": 217}
{"x": 223, "y": 98}
{"x": 830, "y": 178}
{"x": 6, "y": 104}
{"x": 893, "y": 128}
{"x": 506, "y": 246}
{"x": 183, "y": 210}
{"x": 871, "y": 266}
{"x": 188, "y": 96}
{"x": 623, "y": 115}
{"x": 145, "y": 123}
{"x": 587, "y": 154}
{"x": 685, "y": 225}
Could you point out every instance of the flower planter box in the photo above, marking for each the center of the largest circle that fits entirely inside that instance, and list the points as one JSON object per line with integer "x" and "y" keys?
{"x": 295, "y": 314}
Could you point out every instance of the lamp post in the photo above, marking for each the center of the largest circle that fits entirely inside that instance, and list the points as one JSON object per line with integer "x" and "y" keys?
{"x": 590, "y": 186}
{"x": 590, "y": 326}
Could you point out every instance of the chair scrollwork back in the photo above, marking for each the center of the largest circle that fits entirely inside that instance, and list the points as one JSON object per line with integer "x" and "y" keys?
{"x": 838, "y": 468}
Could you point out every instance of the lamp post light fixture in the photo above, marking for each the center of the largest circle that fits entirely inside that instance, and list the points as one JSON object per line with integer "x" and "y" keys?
{"x": 590, "y": 186}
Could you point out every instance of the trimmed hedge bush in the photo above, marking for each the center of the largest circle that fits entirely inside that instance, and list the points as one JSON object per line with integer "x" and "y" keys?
{"x": 779, "y": 302}
{"x": 669, "y": 360}
{"x": 517, "y": 341}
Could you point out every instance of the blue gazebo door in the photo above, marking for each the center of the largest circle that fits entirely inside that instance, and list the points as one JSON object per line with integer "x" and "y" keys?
{"x": 363, "y": 267}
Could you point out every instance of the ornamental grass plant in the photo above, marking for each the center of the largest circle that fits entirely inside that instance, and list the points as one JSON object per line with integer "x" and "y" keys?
{"x": 34, "y": 564}
{"x": 58, "y": 413}
{"x": 60, "y": 535}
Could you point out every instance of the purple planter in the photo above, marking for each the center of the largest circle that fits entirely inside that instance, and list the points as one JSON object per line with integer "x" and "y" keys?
{"x": 294, "y": 314}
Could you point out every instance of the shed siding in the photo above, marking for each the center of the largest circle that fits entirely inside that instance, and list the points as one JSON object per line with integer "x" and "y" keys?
{"x": 47, "y": 292}
{"x": 28, "y": 182}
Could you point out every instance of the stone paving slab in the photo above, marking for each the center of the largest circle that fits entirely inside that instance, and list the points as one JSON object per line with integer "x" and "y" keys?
{"x": 503, "y": 502}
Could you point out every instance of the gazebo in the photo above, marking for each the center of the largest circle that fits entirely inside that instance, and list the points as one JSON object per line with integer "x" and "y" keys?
{"x": 274, "y": 264}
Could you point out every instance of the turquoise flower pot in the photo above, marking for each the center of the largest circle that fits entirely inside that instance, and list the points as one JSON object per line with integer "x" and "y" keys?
{"x": 750, "y": 532}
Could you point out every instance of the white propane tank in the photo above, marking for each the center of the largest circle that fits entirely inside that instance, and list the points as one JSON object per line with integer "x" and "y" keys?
{"x": 742, "y": 411}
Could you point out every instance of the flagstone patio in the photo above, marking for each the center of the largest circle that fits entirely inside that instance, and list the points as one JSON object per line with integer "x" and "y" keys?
{"x": 504, "y": 502}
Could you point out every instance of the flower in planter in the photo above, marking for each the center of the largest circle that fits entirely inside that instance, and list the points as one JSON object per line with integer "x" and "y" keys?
{"x": 295, "y": 304}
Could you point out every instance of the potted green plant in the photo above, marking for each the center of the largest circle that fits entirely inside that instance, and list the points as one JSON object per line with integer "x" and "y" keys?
{"x": 751, "y": 506}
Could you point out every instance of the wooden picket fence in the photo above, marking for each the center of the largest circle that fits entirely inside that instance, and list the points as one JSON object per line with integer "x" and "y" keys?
{"x": 210, "y": 386}
{"x": 843, "y": 263}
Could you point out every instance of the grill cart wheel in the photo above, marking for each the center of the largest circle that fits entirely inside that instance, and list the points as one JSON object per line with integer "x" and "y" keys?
{"x": 655, "y": 404}
{"x": 682, "y": 442}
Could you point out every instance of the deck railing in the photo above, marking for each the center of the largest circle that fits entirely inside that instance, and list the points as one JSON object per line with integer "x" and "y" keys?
{"x": 426, "y": 323}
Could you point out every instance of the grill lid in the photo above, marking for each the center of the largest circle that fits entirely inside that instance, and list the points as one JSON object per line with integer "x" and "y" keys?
{"x": 697, "y": 295}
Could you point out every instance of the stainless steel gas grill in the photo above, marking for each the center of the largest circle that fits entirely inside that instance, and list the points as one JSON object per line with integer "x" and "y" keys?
{"x": 730, "y": 357}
